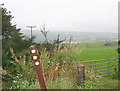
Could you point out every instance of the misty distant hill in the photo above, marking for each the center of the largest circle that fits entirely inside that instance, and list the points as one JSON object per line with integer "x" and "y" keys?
{"x": 77, "y": 36}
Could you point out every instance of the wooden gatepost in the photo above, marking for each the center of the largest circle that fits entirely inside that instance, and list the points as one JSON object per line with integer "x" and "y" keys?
{"x": 81, "y": 73}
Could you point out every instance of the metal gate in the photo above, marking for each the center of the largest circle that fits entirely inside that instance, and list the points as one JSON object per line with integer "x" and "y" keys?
{"x": 102, "y": 67}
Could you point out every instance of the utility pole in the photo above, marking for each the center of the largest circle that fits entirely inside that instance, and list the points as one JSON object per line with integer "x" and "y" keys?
{"x": 31, "y": 29}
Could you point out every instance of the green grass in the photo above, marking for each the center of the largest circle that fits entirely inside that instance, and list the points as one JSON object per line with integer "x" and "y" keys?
{"x": 102, "y": 83}
{"x": 108, "y": 84}
{"x": 98, "y": 53}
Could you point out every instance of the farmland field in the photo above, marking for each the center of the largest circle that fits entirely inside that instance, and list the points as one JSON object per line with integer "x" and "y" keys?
{"x": 98, "y": 53}
{"x": 95, "y": 51}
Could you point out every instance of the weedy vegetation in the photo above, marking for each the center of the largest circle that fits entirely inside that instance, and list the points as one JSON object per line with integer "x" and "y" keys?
{"x": 57, "y": 61}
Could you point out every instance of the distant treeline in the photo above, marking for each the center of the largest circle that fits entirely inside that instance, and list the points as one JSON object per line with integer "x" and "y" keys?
{"x": 96, "y": 44}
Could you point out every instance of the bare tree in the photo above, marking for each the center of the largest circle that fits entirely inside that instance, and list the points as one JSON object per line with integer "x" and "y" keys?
{"x": 44, "y": 32}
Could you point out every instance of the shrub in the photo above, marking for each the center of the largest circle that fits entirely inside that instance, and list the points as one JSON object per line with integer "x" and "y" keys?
{"x": 56, "y": 67}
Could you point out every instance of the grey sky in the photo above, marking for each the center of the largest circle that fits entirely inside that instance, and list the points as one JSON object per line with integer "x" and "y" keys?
{"x": 65, "y": 15}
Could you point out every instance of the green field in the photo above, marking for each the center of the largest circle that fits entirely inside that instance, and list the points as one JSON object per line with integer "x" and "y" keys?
{"x": 97, "y": 50}
{"x": 98, "y": 53}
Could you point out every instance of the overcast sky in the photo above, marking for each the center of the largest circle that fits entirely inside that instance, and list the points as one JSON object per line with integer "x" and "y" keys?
{"x": 65, "y": 15}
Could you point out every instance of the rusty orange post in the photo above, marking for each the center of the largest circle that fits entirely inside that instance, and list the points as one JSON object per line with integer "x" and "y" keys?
{"x": 38, "y": 69}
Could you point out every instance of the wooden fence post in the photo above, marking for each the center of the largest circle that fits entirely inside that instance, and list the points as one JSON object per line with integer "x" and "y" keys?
{"x": 81, "y": 73}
